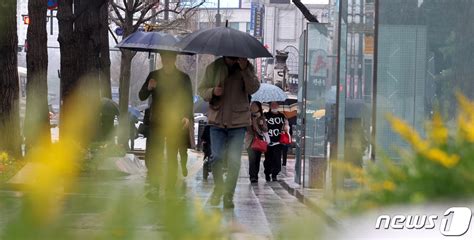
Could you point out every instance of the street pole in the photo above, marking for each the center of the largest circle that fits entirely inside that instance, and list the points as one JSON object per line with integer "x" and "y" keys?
{"x": 197, "y": 75}
{"x": 167, "y": 7}
{"x": 51, "y": 21}
{"x": 218, "y": 15}
{"x": 152, "y": 57}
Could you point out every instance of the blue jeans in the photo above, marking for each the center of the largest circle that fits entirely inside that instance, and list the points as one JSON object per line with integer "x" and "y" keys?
{"x": 226, "y": 143}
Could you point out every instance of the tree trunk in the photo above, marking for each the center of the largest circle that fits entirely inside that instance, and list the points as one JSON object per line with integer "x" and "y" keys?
{"x": 124, "y": 86}
{"x": 37, "y": 126}
{"x": 68, "y": 49}
{"x": 106, "y": 86}
{"x": 86, "y": 28}
{"x": 9, "y": 84}
{"x": 124, "y": 92}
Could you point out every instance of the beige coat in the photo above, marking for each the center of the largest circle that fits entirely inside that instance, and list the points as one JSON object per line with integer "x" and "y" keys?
{"x": 259, "y": 127}
{"x": 232, "y": 109}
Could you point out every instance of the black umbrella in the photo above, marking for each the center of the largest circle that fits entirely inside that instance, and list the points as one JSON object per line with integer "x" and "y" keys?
{"x": 151, "y": 42}
{"x": 224, "y": 41}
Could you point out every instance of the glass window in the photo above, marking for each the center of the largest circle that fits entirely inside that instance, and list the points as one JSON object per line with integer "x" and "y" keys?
{"x": 234, "y": 25}
{"x": 319, "y": 104}
{"x": 356, "y": 54}
{"x": 425, "y": 54}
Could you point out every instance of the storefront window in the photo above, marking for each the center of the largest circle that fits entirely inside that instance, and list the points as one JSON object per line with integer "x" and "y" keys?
{"x": 319, "y": 96}
{"x": 425, "y": 52}
{"x": 354, "y": 91}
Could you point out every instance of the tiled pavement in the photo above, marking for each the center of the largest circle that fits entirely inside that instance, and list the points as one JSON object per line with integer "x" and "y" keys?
{"x": 260, "y": 209}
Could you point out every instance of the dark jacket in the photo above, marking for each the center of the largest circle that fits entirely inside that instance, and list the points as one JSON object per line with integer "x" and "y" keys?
{"x": 276, "y": 123}
{"x": 172, "y": 99}
{"x": 231, "y": 110}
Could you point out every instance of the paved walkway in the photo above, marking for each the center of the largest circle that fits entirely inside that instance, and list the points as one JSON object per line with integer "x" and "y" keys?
{"x": 261, "y": 210}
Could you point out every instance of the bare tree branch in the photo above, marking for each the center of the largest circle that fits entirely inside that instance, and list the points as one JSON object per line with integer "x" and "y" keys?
{"x": 127, "y": 7}
{"x": 136, "y": 3}
{"x": 117, "y": 6}
{"x": 113, "y": 35}
{"x": 117, "y": 12}
{"x": 144, "y": 12}
{"x": 116, "y": 21}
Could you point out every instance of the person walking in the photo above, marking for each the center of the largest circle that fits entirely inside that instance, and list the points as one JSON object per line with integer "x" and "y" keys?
{"x": 227, "y": 84}
{"x": 257, "y": 129}
{"x": 285, "y": 147}
{"x": 276, "y": 122}
{"x": 171, "y": 113}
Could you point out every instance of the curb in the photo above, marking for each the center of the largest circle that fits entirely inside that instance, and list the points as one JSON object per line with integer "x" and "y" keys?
{"x": 295, "y": 190}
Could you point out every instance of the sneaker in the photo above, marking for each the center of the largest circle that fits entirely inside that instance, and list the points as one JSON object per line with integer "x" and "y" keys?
{"x": 274, "y": 178}
{"x": 215, "y": 199}
{"x": 228, "y": 202}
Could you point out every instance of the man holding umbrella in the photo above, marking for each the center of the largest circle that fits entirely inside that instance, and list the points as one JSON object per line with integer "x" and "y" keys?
{"x": 170, "y": 116}
{"x": 171, "y": 109}
{"x": 227, "y": 84}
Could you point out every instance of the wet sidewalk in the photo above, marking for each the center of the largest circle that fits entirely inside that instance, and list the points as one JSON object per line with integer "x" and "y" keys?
{"x": 262, "y": 210}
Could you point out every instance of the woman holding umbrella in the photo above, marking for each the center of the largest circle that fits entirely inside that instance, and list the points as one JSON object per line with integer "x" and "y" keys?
{"x": 277, "y": 124}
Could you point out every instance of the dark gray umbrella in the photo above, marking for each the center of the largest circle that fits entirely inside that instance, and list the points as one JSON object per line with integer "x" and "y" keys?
{"x": 224, "y": 41}
{"x": 151, "y": 42}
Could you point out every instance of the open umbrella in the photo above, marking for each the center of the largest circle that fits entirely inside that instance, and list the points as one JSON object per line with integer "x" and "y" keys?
{"x": 289, "y": 107}
{"x": 269, "y": 93}
{"x": 224, "y": 41}
{"x": 151, "y": 42}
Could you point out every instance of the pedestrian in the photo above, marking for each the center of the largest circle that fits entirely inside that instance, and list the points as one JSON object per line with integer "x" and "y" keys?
{"x": 206, "y": 149}
{"x": 133, "y": 134}
{"x": 276, "y": 122}
{"x": 227, "y": 84}
{"x": 171, "y": 113}
{"x": 257, "y": 129}
{"x": 285, "y": 147}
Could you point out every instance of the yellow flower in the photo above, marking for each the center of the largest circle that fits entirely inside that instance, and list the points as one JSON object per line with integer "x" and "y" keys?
{"x": 442, "y": 157}
{"x": 466, "y": 128}
{"x": 3, "y": 157}
{"x": 357, "y": 172}
{"x": 408, "y": 134}
{"x": 389, "y": 186}
{"x": 466, "y": 105}
{"x": 439, "y": 133}
{"x": 383, "y": 186}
